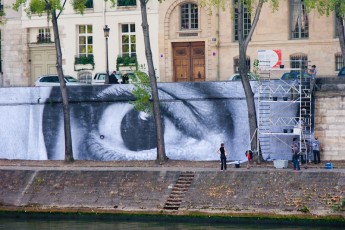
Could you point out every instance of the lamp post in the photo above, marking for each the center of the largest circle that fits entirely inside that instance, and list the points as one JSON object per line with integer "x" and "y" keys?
{"x": 106, "y": 35}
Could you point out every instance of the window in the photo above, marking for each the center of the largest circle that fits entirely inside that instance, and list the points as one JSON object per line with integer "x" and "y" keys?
{"x": 298, "y": 19}
{"x": 128, "y": 40}
{"x": 247, "y": 23}
{"x": 189, "y": 17}
{"x": 299, "y": 61}
{"x": 126, "y": 2}
{"x": 85, "y": 40}
{"x": 237, "y": 64}
{"x": 89, "y": 4}
{"x": 43, "y": 35}
{"x": 339, "y": 61}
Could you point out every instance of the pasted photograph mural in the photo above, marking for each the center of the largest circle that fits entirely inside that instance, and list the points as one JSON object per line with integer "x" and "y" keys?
{"x": 197, "y": 118}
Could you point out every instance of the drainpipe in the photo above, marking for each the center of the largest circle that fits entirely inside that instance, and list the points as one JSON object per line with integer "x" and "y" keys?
{"x": 104, "y": 6}
{"x": 217, "y": 44}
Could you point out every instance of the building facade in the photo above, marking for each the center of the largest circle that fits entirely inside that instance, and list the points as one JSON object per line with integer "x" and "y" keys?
{"x": 28, "y": 48}
{"x": 198, "y": 43}
{"x": 189, "y": 41}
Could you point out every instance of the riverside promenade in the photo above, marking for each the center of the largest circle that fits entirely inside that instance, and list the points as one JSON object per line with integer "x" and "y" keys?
{"x": 175, "y": 188}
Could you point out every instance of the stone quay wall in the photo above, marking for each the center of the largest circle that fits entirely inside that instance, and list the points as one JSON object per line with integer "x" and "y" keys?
{"x": 330, "y": 118}
{"x": 258, "y": 191}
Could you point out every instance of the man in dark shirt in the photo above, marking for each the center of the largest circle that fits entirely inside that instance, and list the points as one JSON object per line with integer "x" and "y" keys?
{"x": 113, "y": 78}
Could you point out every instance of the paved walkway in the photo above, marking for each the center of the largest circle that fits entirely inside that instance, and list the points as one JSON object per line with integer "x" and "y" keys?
{"x": 170, "y": 165}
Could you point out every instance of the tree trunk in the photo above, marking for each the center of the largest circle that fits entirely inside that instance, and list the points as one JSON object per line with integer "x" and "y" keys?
{"x": 161, "y": 156}
{"x": 243, "y": 70}
{"x": 64, "y": 93}
{"x": 340, "y": 30}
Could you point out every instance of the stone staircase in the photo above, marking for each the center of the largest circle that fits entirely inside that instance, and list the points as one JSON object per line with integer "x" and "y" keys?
{"x": 179, "y": 190}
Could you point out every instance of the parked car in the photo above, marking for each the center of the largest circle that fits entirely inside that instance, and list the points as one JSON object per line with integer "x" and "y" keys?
{"x": 237, "y": 77}
{"x": 341, "y": 72}
{"x": 53, "y": 80}
{"x": 99, "y": 78}
{"x": 294, "y": 75}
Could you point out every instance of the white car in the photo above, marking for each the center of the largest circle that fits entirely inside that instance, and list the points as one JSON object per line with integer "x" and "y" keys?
{"x": 99, "y": 78}
{"x": 53, "y": 80}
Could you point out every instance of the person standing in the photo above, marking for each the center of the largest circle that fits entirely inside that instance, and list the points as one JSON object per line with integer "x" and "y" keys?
{"x": 295, "y": 150}
{"x": 313, "y": 72}
{"x": 222, "y": 151}
{"x": 113, "y": 78}
{"x": 249, "y": 156}
{"x": 316, "y": 150}
{"x": 125, "y": 79}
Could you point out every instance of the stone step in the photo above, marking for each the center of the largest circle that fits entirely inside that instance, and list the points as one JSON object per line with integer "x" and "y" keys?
{"x": 178, "y": 191}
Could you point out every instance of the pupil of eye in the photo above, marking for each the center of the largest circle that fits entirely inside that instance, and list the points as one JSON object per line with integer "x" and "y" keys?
{"x": 138, "y": 133}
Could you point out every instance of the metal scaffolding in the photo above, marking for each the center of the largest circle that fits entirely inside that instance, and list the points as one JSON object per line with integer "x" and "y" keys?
{"x": 282, "y": 90}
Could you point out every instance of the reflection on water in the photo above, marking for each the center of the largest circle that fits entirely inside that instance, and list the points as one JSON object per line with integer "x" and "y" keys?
{"x": 87, "y": 224}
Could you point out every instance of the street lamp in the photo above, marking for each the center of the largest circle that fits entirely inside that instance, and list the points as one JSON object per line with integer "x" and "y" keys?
{"x": 106, "y": 35}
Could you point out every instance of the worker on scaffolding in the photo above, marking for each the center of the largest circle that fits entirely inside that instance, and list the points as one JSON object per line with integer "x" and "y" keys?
{"x": 313, "y": 85}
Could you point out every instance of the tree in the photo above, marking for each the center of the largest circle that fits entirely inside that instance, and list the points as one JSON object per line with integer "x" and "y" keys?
{"x": 243, "y": 42}
{"x": 325, "y": 7}
{"x": 51, "y": 8}
{"x": 161, "y": 156}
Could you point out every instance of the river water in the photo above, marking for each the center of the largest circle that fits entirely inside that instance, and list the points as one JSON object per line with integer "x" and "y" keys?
{"x": 49, "y": 222}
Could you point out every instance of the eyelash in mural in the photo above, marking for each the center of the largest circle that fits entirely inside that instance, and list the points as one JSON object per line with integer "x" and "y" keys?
{"x": 125, "y": 140}
{"x": 111, "y": 129}
{"x": 183, "y": 121}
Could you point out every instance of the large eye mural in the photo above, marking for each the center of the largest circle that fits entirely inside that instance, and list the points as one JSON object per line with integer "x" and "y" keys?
{"x": 195, "y": 120}
{"x": 197, "y": 117}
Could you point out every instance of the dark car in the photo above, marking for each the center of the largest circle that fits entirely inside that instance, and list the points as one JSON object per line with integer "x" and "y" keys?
{"x": 341, "y": 72}
{"x": 295, "y": 75}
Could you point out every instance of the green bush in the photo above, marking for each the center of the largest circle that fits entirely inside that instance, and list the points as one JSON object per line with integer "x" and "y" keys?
{"x": 84, "y": 60}
{"x": 126, "y": 61}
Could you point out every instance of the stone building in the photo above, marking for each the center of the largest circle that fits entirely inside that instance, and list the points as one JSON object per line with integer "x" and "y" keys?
{"x": 28, "y": 48}
{"x": 198, "y": 43}
{"x": 189, "y": 41}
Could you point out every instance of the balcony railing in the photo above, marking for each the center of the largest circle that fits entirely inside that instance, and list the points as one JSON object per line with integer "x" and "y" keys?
{"x": 44, "y": 38}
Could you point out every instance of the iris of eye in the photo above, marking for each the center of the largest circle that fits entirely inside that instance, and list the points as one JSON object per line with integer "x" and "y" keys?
{"x": 138, "y": 133}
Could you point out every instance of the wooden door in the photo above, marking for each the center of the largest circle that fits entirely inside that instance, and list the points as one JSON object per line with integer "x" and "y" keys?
{"x": 43, "y": 61}
{"x": 189, "y": 61}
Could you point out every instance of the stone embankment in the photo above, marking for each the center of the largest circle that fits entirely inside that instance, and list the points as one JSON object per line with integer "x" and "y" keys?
{"x": 177, "y": 188}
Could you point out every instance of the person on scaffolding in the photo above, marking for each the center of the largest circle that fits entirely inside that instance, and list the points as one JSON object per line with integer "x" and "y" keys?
{"x": 313, "y": 85}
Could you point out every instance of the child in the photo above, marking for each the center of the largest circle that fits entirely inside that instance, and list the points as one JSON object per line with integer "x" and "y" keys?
{"x": 249, "y": 157}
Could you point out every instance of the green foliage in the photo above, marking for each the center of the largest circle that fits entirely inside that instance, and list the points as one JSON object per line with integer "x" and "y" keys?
{"x": 325, "y": 7}
{"x": 79, "y": 5}
{"x": 304, "y": 209}
{"x": 41, "y": 6}
{"x": 126, "y": 61}
{"x": 38, "y": 6}
{"x": 39, "y": 180}
{"x": 142, "y": 93}
{"x": 250, "y": 5}
{"x": 83, "y": 60}
{"x": 126, "y": 2}
{"x": 256, "y": 69}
